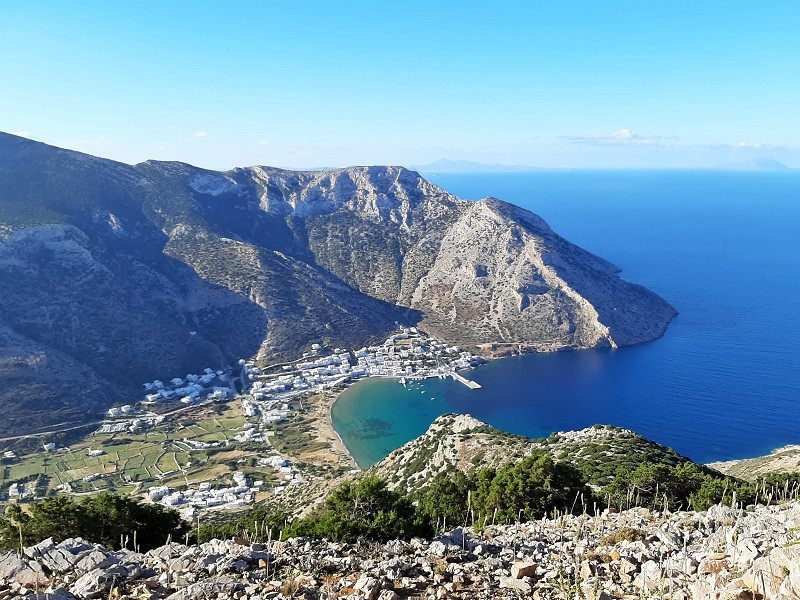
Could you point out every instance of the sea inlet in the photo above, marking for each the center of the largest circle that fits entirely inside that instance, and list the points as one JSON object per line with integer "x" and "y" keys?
{"x": 723, "y": 383}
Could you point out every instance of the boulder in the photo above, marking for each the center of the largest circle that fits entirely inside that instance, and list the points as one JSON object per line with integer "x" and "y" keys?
{"x": 95, "y": 559}
{"x": 627, "y": 570}
{"x": 93, "y": 584}
{"x": 10, "y": 565}
{"x": 713, "y": 565}
{"x": 368, "y": 586}
{"x": 512, "y": 583}
{"x": 765, "y": 577}
{"x": 59, "y": 560}
{"x": 650, "y": 578}
{"x": 39, "y": 549}
{"x": 522, "y": 569}
{"x": 206, "y": 589}
{"x": 31, "y": 576}
{"x": 437, "y": 548}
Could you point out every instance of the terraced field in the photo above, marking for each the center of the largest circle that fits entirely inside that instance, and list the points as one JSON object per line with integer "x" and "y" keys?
{"x": 132, "y": 462}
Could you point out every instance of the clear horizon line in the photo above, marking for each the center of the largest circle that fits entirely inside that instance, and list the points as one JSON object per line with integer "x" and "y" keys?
{"x": 513, "y": 168}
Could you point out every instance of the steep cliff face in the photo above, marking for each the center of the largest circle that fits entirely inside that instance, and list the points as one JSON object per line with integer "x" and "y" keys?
{"x": 157, "y": 269}
{"x": 502, "y": 275}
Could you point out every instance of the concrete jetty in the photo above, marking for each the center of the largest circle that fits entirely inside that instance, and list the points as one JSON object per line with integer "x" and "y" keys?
{"x": 467, "y": 382}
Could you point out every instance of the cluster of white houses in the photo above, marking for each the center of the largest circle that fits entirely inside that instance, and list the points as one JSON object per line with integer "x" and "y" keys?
{"x": 406, "y": 354}
{"x": 206, "y": 497}
{"x": 140, "y": 423}
{"x": 295, "y": 380}
{"x": 423, "y": 357}
{"x": 20, "y": 490}
{"x": 290, "y": 474}
{"x": 193, "y": 388}
{"x": 268, "y": 392}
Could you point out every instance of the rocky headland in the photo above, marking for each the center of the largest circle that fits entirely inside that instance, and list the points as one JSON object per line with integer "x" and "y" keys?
{"x": 781, "y": 460}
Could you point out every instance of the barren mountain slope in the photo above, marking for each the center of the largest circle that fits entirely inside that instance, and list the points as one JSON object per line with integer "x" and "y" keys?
{"x": 158, "y": 269}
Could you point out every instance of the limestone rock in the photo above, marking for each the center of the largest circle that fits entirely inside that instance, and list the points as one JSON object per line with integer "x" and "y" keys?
{"x": 370, "y": 587}
{"x": 369, "y": 571}
{"x": 522, "y": 569}
{"x": 513, "y": 583}
{"x": 93, "y": 584}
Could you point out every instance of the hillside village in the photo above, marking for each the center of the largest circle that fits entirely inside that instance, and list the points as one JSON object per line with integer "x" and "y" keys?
{"x": 260, "y": 399}
{"x": 269, "y": 392}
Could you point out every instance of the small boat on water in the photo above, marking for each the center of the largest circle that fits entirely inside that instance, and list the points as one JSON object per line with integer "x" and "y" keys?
{"x": 402, "y": 381}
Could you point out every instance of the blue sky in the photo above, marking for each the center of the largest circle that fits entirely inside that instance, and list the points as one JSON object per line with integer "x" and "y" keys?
{"x": 303, "y": 84}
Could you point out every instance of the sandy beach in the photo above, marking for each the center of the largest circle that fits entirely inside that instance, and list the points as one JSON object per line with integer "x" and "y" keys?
{"x": 319, "y": 409}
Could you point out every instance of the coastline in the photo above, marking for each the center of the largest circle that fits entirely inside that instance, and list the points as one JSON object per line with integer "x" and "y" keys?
{"x": 330, "y": 428}
{"x": 781, "y": 460}
{"x": 327, "y": 427}
{"x": 325, "y": 431}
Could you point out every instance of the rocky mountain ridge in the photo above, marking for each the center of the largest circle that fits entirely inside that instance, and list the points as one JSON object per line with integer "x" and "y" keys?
{"x": 114, "y": 274}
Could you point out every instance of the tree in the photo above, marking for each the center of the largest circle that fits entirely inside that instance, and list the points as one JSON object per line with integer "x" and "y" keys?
{"x": 108, "y": 517}
{"x": 445, "y": 499}
{"x": 651, "y": 484}
{"x": 257, "y": 524}
{"x": 366, "y": 508}
{"x": 105, "y": 519}
{"x": 722, "y": 491}
{"x": 529, "y": 489}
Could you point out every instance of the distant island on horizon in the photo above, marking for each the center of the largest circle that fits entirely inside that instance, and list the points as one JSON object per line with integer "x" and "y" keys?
{"x": 445, "y": 165}
{"x": 756, "y": 164}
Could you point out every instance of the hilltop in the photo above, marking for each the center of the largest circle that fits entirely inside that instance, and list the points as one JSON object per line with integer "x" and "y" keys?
{"x": 589, "y": 552}
{"x": 112, "y": 275}
{"x": 462, "y": 442}
{"x": 719, "y": 553}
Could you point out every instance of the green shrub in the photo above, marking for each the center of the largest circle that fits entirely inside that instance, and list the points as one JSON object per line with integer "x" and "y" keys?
{"x": 529, "y": 489}
{"x": 363, "y": 509}
{"x": 623, "y": 534}
{"x": 104, "y": 519}
{"x": 653, "y": 484}
{"x": 445, "y": 499}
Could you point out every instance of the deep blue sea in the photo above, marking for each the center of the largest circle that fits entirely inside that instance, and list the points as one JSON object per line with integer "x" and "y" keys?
{"x": 723, "y": 383}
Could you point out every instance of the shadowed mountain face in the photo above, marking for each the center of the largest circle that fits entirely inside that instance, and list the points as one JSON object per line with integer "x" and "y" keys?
{"x": 112, "y": 275}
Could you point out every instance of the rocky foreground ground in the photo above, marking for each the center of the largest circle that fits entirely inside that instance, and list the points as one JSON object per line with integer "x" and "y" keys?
{"x": 721, "y": 554}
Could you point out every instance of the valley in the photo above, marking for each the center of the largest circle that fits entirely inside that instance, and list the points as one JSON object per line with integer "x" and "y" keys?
{"x": 114, "y": 274}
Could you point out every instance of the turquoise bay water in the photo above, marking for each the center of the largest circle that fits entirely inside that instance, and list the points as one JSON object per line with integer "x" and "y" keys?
{"x": 723, "y": 383}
